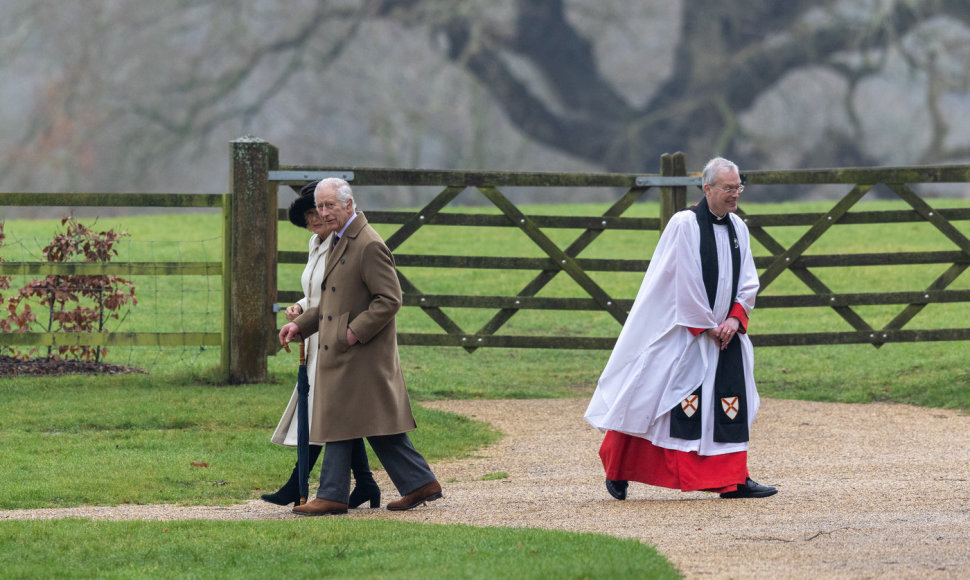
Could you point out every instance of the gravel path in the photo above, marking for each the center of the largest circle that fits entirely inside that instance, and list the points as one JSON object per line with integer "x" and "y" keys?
{"x": 874, "y": 490}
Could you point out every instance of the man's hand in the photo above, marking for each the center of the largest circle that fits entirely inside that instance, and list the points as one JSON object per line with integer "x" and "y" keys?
{"x": 351, "y": 337}
{"x": 724, "y": 332}
{"x": 288, "y": 334}
{"x": 293, "y": 311}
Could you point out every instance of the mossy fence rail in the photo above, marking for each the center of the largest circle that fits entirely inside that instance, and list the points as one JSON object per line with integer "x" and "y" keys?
{"x": 249, "y": 270}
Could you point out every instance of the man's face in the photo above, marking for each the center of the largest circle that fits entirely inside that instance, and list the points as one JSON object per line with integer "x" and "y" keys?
{"x": 722, "y": 197}
{"x": 333, "y": 213}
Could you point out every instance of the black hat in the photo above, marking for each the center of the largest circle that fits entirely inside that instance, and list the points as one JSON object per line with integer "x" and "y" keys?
{"x": 302, "y": 204}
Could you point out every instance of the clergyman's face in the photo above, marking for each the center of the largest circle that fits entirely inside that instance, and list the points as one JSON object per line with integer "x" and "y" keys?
{"x": 335, "y": 214}
{"x": 722, "y": 196}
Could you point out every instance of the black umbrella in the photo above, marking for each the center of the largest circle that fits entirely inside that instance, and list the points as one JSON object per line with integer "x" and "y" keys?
{"x": 303, "y": 426}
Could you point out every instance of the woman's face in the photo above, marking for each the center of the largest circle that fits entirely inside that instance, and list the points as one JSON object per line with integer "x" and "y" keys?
{"x": 315, "y": 223}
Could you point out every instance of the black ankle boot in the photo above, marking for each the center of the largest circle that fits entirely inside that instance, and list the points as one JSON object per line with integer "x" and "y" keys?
{"x": 365, "y": 490}
{"x": 289, "y": 493}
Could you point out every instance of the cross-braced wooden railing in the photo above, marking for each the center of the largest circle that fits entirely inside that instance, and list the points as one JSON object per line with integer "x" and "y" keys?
{"x": 556, "y": 260}
{"x": 795, "y": 259}
{"x": 565, "y": 258}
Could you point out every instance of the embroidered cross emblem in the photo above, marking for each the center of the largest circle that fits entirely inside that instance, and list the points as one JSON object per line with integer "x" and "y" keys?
{"x": 689, "y": 405}
{"x": 730, "y": 406}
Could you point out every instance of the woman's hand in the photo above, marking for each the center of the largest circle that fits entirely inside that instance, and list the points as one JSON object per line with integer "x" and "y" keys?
{"x": 293, "y": 311}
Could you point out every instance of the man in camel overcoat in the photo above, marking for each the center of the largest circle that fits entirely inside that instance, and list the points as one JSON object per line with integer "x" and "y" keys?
{"x": 358, "y": 375}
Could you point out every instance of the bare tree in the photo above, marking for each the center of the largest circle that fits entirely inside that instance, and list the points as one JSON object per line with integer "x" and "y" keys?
{"x": 729, "y": 54}
{"x": 124, "y": 92}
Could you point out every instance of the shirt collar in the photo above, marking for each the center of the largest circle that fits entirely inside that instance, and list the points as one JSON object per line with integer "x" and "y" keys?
{"x": 340, "y": 234}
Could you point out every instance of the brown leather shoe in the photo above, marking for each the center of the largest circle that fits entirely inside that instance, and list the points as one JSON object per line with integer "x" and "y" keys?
{"x": 320, "y": 507}
{"x": 425, "y": 493}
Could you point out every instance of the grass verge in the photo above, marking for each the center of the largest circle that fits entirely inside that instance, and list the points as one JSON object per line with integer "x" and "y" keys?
{"x": 141, "y": 439}
{"x": 329, "y": 547}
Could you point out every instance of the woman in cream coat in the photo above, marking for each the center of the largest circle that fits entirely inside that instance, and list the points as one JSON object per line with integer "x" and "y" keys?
{"x": 302, "y": 213}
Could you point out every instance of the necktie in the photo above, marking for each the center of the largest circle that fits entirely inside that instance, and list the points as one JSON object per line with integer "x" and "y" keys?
{"x": 336, "y": 238}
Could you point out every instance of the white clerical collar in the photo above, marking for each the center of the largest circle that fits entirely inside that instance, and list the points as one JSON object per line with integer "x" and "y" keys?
{"x": 718, "y": 218}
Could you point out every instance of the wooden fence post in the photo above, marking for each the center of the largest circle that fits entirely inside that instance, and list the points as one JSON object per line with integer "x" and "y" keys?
{"x": 253, "y": 256}
{"x": 672, "y": 199}
{"x": 227, "y": 238}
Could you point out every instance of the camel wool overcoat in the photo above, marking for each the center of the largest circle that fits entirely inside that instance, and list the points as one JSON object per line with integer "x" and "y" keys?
{"x": 359, "y": 390}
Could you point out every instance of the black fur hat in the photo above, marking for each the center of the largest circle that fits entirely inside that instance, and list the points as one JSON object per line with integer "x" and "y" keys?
{"x": 300, "y": 205}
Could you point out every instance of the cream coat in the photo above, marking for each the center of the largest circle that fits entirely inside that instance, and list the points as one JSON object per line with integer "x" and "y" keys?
{"x": 311, "y": 281}
{"x": 359, "y": 390}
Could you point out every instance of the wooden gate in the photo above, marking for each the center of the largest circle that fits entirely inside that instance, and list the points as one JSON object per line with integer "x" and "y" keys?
{"x": 673, "y": 185}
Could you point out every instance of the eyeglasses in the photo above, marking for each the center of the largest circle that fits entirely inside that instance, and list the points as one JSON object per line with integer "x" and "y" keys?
{"x": 730, "y": 190}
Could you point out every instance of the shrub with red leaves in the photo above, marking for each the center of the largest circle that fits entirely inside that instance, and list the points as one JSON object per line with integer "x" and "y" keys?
{"x": 73, "y": 303}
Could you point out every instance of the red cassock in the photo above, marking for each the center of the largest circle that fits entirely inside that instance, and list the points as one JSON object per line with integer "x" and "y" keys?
{"x": 629, "y": 458}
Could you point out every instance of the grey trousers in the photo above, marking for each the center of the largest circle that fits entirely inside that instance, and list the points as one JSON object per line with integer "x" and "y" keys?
{"x": 406, "y": 467}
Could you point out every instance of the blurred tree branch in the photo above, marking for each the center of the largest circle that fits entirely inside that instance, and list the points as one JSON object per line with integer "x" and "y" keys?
{"x": 156, "y": 82}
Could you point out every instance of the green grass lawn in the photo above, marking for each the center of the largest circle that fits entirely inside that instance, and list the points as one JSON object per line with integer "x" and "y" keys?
{"x": 193, "y": 303}
{"x": 110, "y": 440}
{"x": 313, "y": 548}
{"x": 141, "y": 439}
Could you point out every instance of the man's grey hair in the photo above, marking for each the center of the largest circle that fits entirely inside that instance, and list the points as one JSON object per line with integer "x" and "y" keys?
{"x": 715, "y": 166}
{"x": 344, "y": 192}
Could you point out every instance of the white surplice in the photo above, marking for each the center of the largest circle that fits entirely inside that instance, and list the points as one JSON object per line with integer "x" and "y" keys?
{"x": 657, "y": 362}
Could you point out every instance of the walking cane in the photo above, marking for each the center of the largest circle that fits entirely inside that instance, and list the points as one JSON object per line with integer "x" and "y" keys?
{"x": 303, "y": 427}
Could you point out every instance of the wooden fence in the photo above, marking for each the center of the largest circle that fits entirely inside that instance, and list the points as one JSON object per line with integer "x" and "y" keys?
{"x": 673, "y": 186}
{"x": 156, "y": 339}
{"x": 796, "y": 260}
{"x": 249, "y": 270}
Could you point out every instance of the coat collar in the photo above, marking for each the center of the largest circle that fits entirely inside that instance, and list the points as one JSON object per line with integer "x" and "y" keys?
{"x": 352, "y": 231}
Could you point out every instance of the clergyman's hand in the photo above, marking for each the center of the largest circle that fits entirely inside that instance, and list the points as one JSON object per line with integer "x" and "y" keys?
{"x": 724, "y": 332}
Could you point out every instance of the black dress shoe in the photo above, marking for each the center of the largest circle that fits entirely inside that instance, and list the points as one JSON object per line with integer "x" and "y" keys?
{"x": 750, "y": 488}
{"x": 617, "y": 488}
